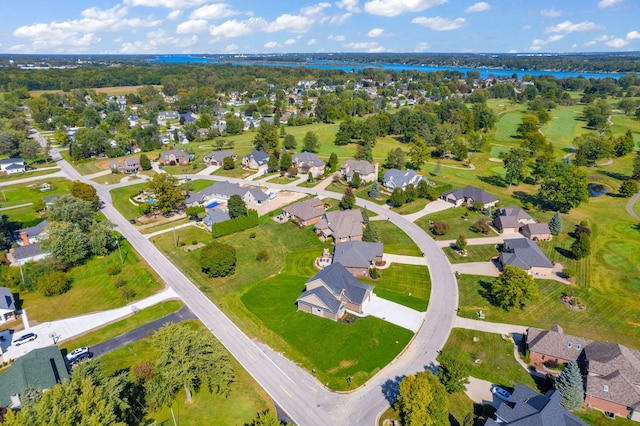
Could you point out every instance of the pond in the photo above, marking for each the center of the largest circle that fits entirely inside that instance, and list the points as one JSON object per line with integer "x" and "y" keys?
{"x": 597, "y": 189}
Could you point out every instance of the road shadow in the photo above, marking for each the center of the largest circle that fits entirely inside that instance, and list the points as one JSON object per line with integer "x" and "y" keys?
{"x": 391, "y": 389}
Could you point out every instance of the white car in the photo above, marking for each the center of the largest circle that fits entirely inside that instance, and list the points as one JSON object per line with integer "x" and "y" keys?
{"x": 78, "y": 354}
{"x": 500, "y": 393}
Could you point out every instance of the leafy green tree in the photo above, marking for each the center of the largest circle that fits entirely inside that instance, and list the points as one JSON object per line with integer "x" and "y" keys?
{"x": 591, "y": 148}
{"x": 566, "y": 188}
{"x": 290, "y": 142}
{"x": 68, "y": 208}
{"x": 228, "y": 163}
{"x": 570, "y": 386}
{"x": 332, "y": 164}
{"x": 218, "y": 259}
{"x": 453, "y": 374}
{"x": 374, "y": 191}
{"x": 370, "y": 233}
{"x": 482, "y": 225}
{"x": 54, "y": 283}
{"x": 272, "y": 163}
{"x": 267, "y": 418}
{"x": 396, "y": 159}
{"x": 286, "y": 161}
{"x": 597, "y": 115}
{"x": 9, "y": 143}
{"x": 398, "y": 197}
{"x": 187, "y": 359}
{"x": 237, "y": 207}
{"x": 167, "y": 191}
{"x": 624, "y": 144}
{"x": 555, "y": 224}
{"x": 67, "y": 242}
{"x": 514, "y": 288}
{"x": 348, "y": 200}
{"x": 422, "y": 400}
{"x": 410, "y": 193}
{"x": 515, "y": 161}
{"x": 101, "y": 239}
{"x": 355, "y": 180}
{"x": 581, "y": 246}
{"x": 39, "y": 205}
{"x": 635, "y": 174}
{"x": 145, "y": 163}
{"x": 30, "y": 149}
{"x": 529, "y": 124}
{"x": 461, "y": 242}
{"x": 86, "y": 192}
{"x": 266, "y": 137}
{"x": 418, "y": 152}
{"x": 628, "y": 188}
{"x": 310, "y": 143}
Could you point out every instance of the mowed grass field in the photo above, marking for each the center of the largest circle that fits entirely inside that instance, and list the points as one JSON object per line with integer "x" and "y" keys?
{"x": 21, "y": 193}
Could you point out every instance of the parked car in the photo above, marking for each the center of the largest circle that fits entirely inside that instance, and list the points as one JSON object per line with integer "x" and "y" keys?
{"x": 78, "y": 354}
{"x": 132, "y": 221}
{"x": 25, "y": 338}
{"x": 501, "y": 393}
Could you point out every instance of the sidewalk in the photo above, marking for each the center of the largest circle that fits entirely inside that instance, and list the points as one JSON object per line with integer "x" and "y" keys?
{"x": 71, "y": 327}
{"x": 207, "y": 171}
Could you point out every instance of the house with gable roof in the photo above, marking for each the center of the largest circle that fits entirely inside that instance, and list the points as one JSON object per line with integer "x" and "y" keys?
{"x": 308, "y": 162}
{"x": 342, "y": 225}
{"x": 174, "y": 157}
{"x": 128, "y": 165}
{"x": 468, "y": 195}
{"x": 256, "y": 160}
{"x": 394, "y": 178}
{"x": 368, "y": 172}
{"x": 27, "y": 253}
{"x": 333, "y": 291}
{"x": 525, "y": 254}
{"x": 305, "y": 212}
{"x": 216, "y": 158}
{"x": 32, "y": 235}
{"x": 511, "y": 219}
{"x": 12, "y": 165}
{"x": 224, "y": 191}
{"x": 7, "y": 305}
{"x": 358, "y": 257}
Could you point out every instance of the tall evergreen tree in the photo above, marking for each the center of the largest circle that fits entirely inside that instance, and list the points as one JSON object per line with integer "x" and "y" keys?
{"x": 581, "y": 247}
{"x": 370, "y": 234}
{"x": 570, "y": 386}
{"x": 332, "y": 164}
{"x": 355, "y": 180}
{"x": 555, "y": 224}
{"x": 635, "y": 174}
{"x": 374, "y": 192}
{"x": 365, "y": 216}
{"x": 348, "y": 199}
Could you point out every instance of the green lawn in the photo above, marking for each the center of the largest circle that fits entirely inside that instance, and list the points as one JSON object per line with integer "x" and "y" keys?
{"x": 395, "y": 240}
{"x": 121, "y": 200}
{"x": 597, "y": 418}
{"x": 93, "y": 289}
{"x": 457, "y": 221}
{"x": 28, "y": 174}
{"x": 408, "y": 285}
{"x": 24, "y": 215}
{"x": 474, "y": 254}
{"x": 238, "y": 172}
{"x": 22, "y": 193}
{"x": 507, "y": 125}
{"x": 412, "y": 207}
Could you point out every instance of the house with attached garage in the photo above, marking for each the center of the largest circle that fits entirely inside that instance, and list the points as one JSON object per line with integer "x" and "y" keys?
{"x": 510, "y": 219}
{"x": 223, "y": 191}
{"x": 306, "y": 212}
{"x": 215, "y": 216}
{"x": 308, "y": 162}
{"x": 256, "y": 160}
{"x": 341, "y": 225}
{"x": 394, "y": 178}
{"x": 469, "y": 195}
{"x": 525, "y": 254}
{"x": 174, "y": 157}
{"x": 368, "y": 172}
{"x": 12, "y": 165}
{"x": 216, "y": 158}
{"x": 128, "y": 165}
{"x": 332, "y": 292}
{"x": 537, "y": 231}
{"x": 358, "y": 257}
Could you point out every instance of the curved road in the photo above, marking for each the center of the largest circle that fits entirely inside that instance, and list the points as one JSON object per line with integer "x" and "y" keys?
{"x": 630, "y": 204}
{"x": 295, "y": 390}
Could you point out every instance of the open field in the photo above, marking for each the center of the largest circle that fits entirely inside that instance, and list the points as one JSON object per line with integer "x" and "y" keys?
{"x": 474, "y": 254}
{"x": 28, "y": 174}
{"x": 22, "y": 193}
{"x": 460, "y": 221}
{"x": 395, "y": 240}
{"x": 121, "y": 201}
{"x": 408, "y": 285}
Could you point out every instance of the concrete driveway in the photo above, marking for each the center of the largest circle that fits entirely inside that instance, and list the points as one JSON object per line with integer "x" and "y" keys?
{"x": 487, "y": 269}
{"x": 433, "y": 207}
{"x": 394, "y": 313}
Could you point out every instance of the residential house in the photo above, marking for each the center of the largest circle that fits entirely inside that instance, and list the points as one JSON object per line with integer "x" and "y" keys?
{"x": 256, "y": 160}
{"x": 611, "y": 371}
{"x": 333, "y": 291}
{"x": 525, "y": 254}
{"x": 511, "y": 219}
{"x": 7, "y": 305}
{"x": 134, "y": 120}
{"x": 42, "y": 368}
{"x": 537, "y": 231}
{"x": 12, "y": 165}
{"x": 394, "y": 178}
{"x": 216, "y": 158}
{"x": 306, "y": 212}
{"x": 215, "y": 216}
{"x": 342, "y": 225}
{"x": 168, "y": 115}
{"x": 31, "y": 235}
{"x": 224, "y": 191}
{"x": 173, "y": 157}
{"x": 23, "y": 254}
{"x": 527, "y": 408}
{"x": 358, "y": 256}
{"x": 128, "y": 165}
{"x": 368, "y": 172}
{"x": 469, "y": 195}
{"x": 308, "y": 162}
{"x": 188, "y": 117}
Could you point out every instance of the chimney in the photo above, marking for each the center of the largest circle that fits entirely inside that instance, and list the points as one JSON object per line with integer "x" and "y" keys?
{"x": 25, "y": 238}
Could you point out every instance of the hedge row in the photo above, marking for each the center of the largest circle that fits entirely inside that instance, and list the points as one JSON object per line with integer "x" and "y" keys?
{"x": 238, "y": 224}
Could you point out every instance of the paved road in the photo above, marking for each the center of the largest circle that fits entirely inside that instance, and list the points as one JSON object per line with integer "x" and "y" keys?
{"x": 630, "y": 204}
{"x": 144, "y": 331}
{"x": 299, "y": 393}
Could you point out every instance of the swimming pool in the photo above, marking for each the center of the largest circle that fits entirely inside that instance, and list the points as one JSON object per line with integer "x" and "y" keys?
{"x": 212, "y": 205}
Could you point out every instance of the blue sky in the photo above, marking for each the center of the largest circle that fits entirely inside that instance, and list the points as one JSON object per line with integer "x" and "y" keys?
{"x": 274, "y": 26}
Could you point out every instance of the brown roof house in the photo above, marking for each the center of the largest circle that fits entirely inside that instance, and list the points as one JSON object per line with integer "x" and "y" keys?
{"x": 525, "y": 254}
{"x": 611, "y": 371}
{"x": 342, "y": 225}
{"x": 306, "y": 212}
{"x": 333, "y": 291}
{"x": 468, "y": 195}
{"x": 358, "y": 257}
{"x": 308, "y": 162}
{"x": 368, "y": 172}
{"x": 174, "y": 157}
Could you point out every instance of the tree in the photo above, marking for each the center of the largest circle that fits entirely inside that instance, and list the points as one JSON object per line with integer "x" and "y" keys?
{"x": 410, "y": 193}
{"x": 267, "y": 137}
{"x": 39, "y": 205}
{"x": 168, "y": 193}
{"x": 398, "y": 197}
{"x": 145, "y": 163}
{"x": 365, "y": 216}
{"x": 453, "y": 374}
{"x": 290, "y": 142}
{"x": 624, "y": 144}
{"x": 67, "y": 242}
{"x": 29, "y": 149}
{"x": 529, "y": 124}
{"x": 101, "y": 239}
{"x": 422, "y": 400}
{"x": 370, "y": 234}
{"x": 628, "y": 188}
{"x": 218, "y": 259}
{"x": 635, "y": 174}
{"x": 591, "y": 148}
{"x": 514, "y": 288}
{"x": 237, "y": 207}
{"x": 355, "y": 180}
{"x": 86, "y": 192}
{"x": 515, "y": 161}
{"x": 570, "y": 386}
{"x": 348, "y": 199}
{"x": 286, "y": 161}
{"x": 332, "y": 164}
{"x": 68, "y": 208}
{"x": 189, "y": 359}
{"x": 418, "y": 152}
{"x": 555, "y": 224}
{"x": 374, "y": 191}
{"x": 9, "y": 143}
{"x": 228, "y": 163}
{"x": 272, "y": 163}
{"x": 440, "y": 228}
{"x": 396, "y": 159}
{"x": 310, "y": 143}
{"x": 54, "y": 283}
{"x": 461, "y": 242}
{"x": 566, "y": 188}
{"x": 581, "y": 246}
{"x": 267, "y": 418}
{"x": 482, "y": 225}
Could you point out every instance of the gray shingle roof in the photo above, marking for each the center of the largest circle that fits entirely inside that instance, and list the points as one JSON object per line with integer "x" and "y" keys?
{"x": 259, "y": 157}
{"x": 218, "y": 156}
{"x": 537, "y": 228}
{"x": 523, "y": 253}
{"x": 342, "y": 223}
{"x": 308, "y": 159}
{"x": 215, "y": 216}
{"x": 476, "y": 194}
{"x": 361, "y": 166}
{"x": 340, "y": 281}
{"x": 394, "y": 178}
{"x": 502, "y": 222}
{"x": 15, "y": 160}
{"x": 226, "y": 189}
{"x": 555, "y": 343}
{"x": 528, "y": 408}
{"x": 332, "y": 304}
{"x": 616, "y": 367}
{"x": 33, "y": 231}
{"x": 26, "y": 252}
{"x": 306, "y": 209}
{"x": 6, "y": 299}
{"x": 357, "y": 254}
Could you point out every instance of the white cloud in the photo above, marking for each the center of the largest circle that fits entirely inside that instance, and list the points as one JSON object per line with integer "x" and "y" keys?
{"x": 375, "y": 32}
{"x": 617, "y": 43}
{"x": 213, "y": 11}
{"x": 234, "y": 28}
{"x": 602, "y": 4}
{"x": 193, "y": 26}
{"x": 336, "y": 37}
{"x": 398, "y": 7}
{"x": 271, "y": 44}
{"x": 291, "y": 23}
{"x": 369, "y": 46}
{"x": 174, "y": 14}
{"x": 551, "y": 13}
{"x": 570, "y": 27}
{"x": 527, "y": 27}
{"x": 231, "y": 48}
{"x": 315, "y": 9}
{"x": 439, "y": 24}
{"x": 340, "y": 19}
{"x": 422, "y": 47}
{"x": 633, "y": 35}
{"x": 478, "y": 7}
{"x": 350, "y": 5}
{"x": 170, "y": 4}
{"x": 312, "y": 42}
{"x": 289, "y": 42}
{"x": 157, "y": 42}
{"x": 513, "y": 51}
{"x": 537, "y": 44}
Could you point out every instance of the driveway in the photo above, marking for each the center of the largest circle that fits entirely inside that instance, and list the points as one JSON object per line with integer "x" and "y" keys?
{"x": 481, "y": 241}
{"x": 487, "y": 269}
{"x": 479, "y": 391}
{"x": 433, "y": 207}
{"x": 394, "y": 313}
{"x": 406, "y": 260}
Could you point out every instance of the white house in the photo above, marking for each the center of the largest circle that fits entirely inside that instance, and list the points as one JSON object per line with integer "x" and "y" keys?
{"x": 12, "y": 165}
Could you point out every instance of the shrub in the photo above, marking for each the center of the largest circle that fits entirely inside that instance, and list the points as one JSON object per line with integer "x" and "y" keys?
{"x": 262, "y": 256}
{"x": 54, "y": 283}
{"x": 235, "y": 225}
{"x": 482, "y": 225}
{"x": 252, "y": 235}
{"x": 127, "y": 293}
{"x": 373, "y": 273}
{"x": 120, "y": 282}
{"x": 218, "y": 259}
{"x": 440, "y": 228}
